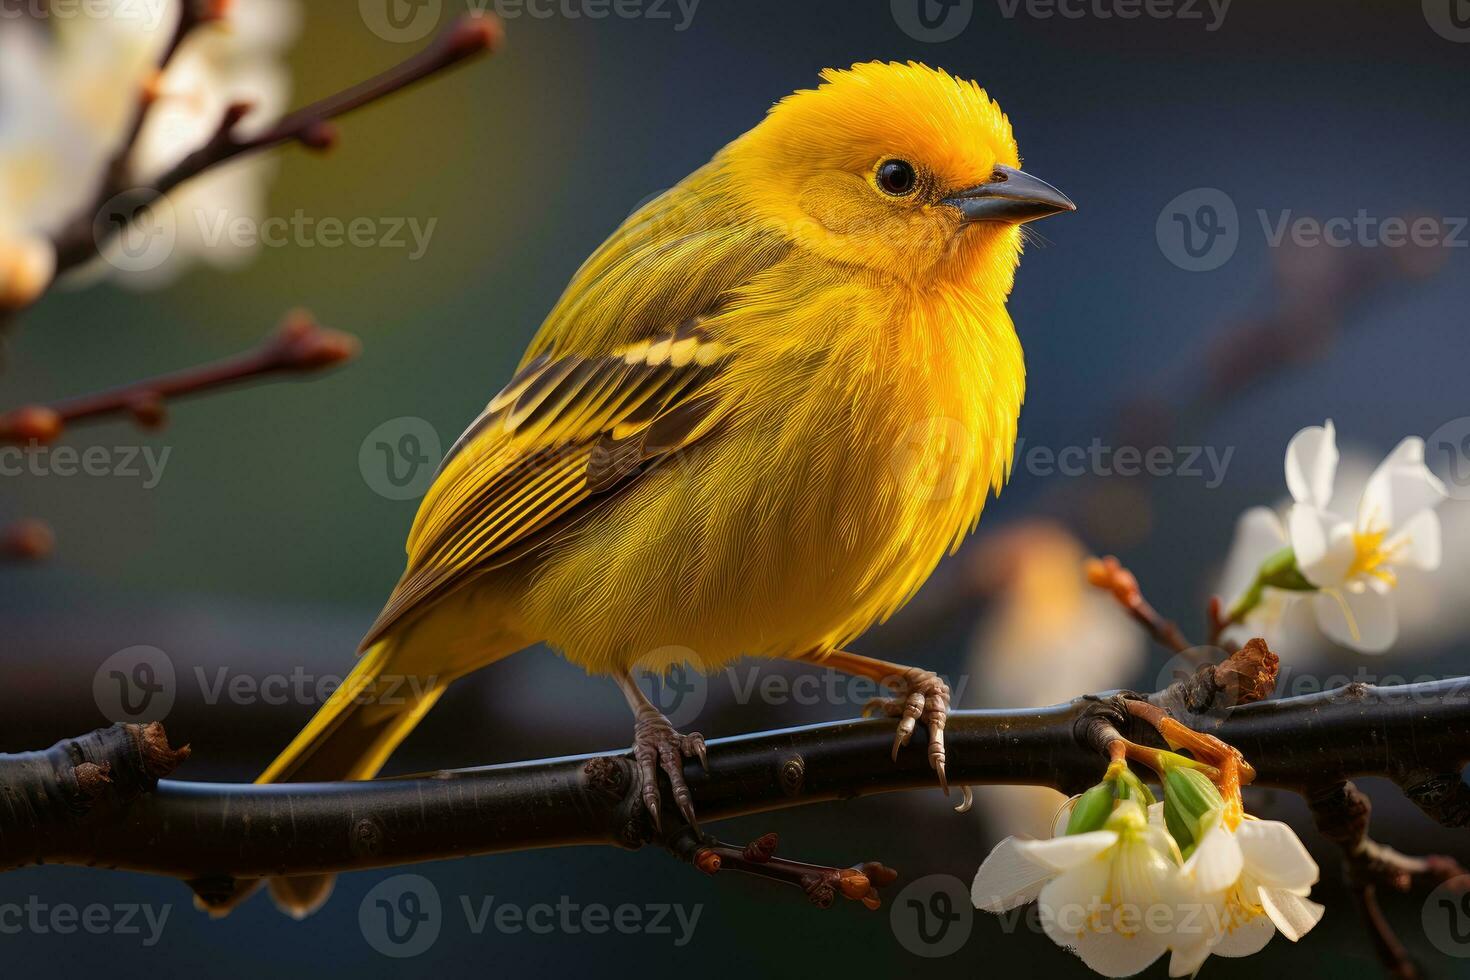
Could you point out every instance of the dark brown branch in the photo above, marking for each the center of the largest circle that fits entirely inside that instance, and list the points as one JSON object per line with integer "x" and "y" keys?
{"x": 84, "y": 236}
{"x": 300, "y": 345}
{"x": 216, "y": 834}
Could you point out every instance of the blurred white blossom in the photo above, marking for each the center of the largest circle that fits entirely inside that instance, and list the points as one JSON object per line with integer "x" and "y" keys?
{"x": 1345, "y": 570}
{"x": 69, "y": 91}
{"x": 1046, "y": 635}
{"x": 239, "y": 59}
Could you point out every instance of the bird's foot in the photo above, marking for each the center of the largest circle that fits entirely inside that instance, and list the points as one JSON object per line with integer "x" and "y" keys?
{"x": 656, "y": 745}
{"x": 921, "y": 695}
{"x": 821, "y": 884}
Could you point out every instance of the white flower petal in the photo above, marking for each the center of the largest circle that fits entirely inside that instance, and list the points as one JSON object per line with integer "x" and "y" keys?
{"x": 1418, "y": 543}
{"x": 1293, "y": 915}
{"x": 1217, "y": 862}
{"x": 1259, "y": 534}
{"x": 1008, "y": 879}
{"x": 1187, "y": 958}
{"x": 1275, "y": 854}
{"x": 1115, "y": 941}
{"x": 1323, "y": 543}
{"x": 1311, "y": 465}
{"x": 1363, "y": 621}
{"x": 1400, "y": 489}
{"x": 1068, "y": 901}
{"x": 1114, "y": 952}
{"x": 1065, "y": 853}
{"x": 1246, "y": 938}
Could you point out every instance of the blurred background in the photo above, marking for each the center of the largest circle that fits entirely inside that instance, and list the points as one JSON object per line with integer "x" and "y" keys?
{"x": 274, "y": 527}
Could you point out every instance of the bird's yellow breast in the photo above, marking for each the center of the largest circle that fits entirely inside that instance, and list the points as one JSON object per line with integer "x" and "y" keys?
{"x": 868, "y": 423}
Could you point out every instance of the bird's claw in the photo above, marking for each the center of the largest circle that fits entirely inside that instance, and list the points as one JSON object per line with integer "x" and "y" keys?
{"x": 920, "y": 695}
{"x": 656, "y": 745}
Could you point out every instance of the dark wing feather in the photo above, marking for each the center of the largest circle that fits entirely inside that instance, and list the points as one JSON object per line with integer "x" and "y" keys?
{"x": 557, "y": 442}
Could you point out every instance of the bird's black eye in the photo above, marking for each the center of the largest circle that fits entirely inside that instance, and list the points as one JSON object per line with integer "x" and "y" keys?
{"x": 897, "y": 177}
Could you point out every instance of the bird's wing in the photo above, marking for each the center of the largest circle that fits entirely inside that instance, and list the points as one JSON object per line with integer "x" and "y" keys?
{"x": 561, "y": 439}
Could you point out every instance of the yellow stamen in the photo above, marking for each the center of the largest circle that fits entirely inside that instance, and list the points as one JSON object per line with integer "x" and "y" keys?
{"x": 1371, "y": 559}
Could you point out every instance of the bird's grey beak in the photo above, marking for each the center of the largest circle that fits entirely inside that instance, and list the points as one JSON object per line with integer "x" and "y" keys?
{"x": 1012, "y": 197}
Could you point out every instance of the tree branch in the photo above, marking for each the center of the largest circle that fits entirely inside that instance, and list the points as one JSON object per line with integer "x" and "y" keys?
{"x": 300, "y": 345}
{"x": 1342, "y": 814}
{"x": 216, "y": 834}
{"x": 84, "y": 237}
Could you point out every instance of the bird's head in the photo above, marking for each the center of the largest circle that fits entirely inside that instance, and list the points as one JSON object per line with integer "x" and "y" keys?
{"x": 900, "y": 168}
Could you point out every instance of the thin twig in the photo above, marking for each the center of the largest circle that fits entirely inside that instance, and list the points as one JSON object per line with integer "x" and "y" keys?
{"x": 193, "y": 14}
{"x": 299, "y": 345}
{"x": 1110, "y": 575}
{"x": 84, "y": 237}
{"x": 1342, "y": 813}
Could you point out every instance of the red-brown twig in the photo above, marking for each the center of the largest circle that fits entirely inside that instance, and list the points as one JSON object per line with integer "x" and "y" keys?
{"x": 84, "y": 236}
{"x": 193, "y": 14}
{"x": 1342, "y": 813}
{"x": 1110, "y": 575}
{"x": 27, "y": 540}
{"x": 299, "y": 345}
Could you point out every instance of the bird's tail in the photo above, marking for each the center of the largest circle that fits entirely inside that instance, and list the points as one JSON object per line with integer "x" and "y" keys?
{"x": 397, "y": 680}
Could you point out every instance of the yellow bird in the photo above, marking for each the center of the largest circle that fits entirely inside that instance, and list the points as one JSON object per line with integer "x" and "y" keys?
{"x": 756, "y": 420}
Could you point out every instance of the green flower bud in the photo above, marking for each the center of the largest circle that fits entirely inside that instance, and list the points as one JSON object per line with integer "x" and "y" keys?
{"x": 1092, "y": 810}
{"x": 1191, "y": 805}
{"x": 1130, "y": 787}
